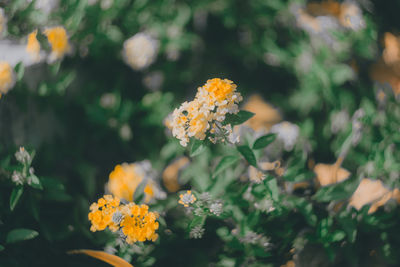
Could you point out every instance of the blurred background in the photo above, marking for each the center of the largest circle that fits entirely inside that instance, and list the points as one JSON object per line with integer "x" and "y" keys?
{"x": 129, "y": 63}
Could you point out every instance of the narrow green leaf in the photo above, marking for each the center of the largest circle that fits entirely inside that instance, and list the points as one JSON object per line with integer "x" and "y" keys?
{"x": 274, "y": 189}
{"x": 196, "y": 148}
{"x": 20, "y": 234}
{"x": 239, "y": 118}
{"x": 35, "y": 182}
{"x": 264, "y": 141}
{"x": 248, "y": 154}
{"x": 224, "y": 163}
{"x": 138, "y": 195}
{"x": 19, "y": 70}
{"x": 15, "y": 196}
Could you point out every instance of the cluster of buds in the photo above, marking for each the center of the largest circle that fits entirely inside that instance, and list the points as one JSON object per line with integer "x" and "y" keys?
{"x": 20, "y": 177}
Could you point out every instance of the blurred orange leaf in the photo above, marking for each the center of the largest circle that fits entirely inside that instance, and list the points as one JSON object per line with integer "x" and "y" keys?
{"x": 103, "y": 256}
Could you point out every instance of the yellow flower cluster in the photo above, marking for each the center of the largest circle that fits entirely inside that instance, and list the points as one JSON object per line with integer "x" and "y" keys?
{"x": 136, "y": 222}
{"x": 101, "y": 213}
{"x": 139, "y": 224}
{"x": 125, "y": 179}
{"x": 58, "y": 39}
{"x": 7, "y": 77}
{"x": 206, "y": 112}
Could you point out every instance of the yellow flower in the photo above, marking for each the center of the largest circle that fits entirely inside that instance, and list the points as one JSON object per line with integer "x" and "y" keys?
{"x": 170, "y": 174}
{"x": 7, "y": 77}
{"x": 265, "y": 115}
{"x": 187, "y": 198}
{"x": 58, "y": 39}
{"x": 33, "y": 46}
{"x": 372, "y": 192}
{"x": 102, "y": 212}
{"x": 206, "y": 113}
{"x": 328, "y": 174}
{"x": 139, "y": 224}
{"x": 136, "y": 221}
{"x": 125, "y": 179}
{"x": 220, "y": 90}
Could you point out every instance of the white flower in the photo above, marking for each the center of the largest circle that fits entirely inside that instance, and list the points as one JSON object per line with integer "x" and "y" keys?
{"x": 287, "y": 132}
{"x": 17, "y": 178}
{"x": 255, "y": 175}
{"x": 108, "y": 100}
{"x": 140, "y": 51}
{"x": 339, "y": 121}
{"x": 196, "y": 232}
{"x": 216, "y": 208}
{"x": 22, "y": 155}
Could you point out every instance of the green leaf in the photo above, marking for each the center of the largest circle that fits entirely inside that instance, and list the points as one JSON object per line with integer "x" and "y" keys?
{"x": 274, "y": 189}
{"x": 342, "y": 190}
{"x": 248, "y": 154}
{"x": 1, "y": 248}
{"x": 19, "y": 70}
{"x": 35, "y": 182}
{"x": 337, "y": 236}
{"x": 224, "y": 163}
{"x": 239, "y": 118}
{"x": 197, "y": 221}
{"x": 196, "y": 148}
{"x": 15, "y": 196}
{"x": 264, "y": 141}
{"x": 138, "y": 195}
{"x": 20, "y": 234}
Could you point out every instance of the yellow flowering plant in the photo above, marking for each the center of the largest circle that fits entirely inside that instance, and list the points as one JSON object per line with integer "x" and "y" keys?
{"x": 136, "y": 222}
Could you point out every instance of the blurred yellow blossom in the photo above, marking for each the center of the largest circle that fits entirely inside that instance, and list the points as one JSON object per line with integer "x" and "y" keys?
{"x": 125, "y": 178}
{"x": 33, "y": 46}
{"x": 187, "y": 198}
{"x": 7, "y": 77}
{"x": 372, "y": 192}
{"x": 170, "y": 174}
{"x": 58, "y": 39}
{"x": 139, "y": 224}
{"x": 330, "y": 174}
{"x": 265, "y": 115}
{"x": 387, "y": 68}
{"x": 206, "y": 112}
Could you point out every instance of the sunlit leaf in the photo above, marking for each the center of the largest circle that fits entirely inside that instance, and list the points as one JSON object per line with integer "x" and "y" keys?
{"x": 103, "y": 256}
